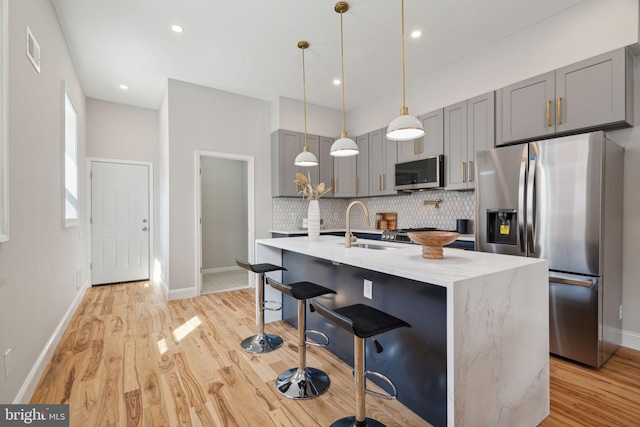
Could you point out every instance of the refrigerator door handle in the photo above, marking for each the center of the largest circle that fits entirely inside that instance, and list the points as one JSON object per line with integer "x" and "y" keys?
{"x": 521, "y": 187}
{"x": 531, "y": 217}
{"x": 566, "y": 281}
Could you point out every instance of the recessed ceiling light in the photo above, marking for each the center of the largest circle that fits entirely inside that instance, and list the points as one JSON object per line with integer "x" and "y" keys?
{"x": 177, "y": 28}
{"x": 415, "y": 34}
{"x": 336, "y": 82}
{"x": 124, "y": 87}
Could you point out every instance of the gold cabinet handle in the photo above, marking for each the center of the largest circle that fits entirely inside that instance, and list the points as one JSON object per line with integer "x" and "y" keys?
{"x": 378, "y": 182}
{"x": 548, "y": 113}
{"x": 464, "y": 164}
{"x": 469, "y": 165}
{"x": 333, "y": 186}
{"x": 559, "y": 110}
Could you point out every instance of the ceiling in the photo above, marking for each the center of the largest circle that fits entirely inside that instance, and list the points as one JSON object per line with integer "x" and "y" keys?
{"x": 249, "y": 47}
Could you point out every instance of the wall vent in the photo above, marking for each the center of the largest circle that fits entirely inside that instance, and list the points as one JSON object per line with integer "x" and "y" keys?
{"x": 33, "y": 50}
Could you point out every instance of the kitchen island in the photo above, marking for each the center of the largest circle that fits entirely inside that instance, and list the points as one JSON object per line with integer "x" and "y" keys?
{"x": 477, "y": 352}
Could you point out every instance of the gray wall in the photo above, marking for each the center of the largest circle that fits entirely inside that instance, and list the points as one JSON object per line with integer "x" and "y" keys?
{"x": 224, "y": 212}
{"x": 201, "y": 118}
{"x": 39, "y": 264}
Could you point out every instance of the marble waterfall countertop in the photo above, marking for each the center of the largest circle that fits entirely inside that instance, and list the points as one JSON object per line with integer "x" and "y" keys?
{"x": 303, "y": 232}
{"x": 405, "y": 260}
{"x": 497, "y": 322}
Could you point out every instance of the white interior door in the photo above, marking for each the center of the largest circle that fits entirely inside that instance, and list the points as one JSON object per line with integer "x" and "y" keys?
{"x": 120, "y": 225}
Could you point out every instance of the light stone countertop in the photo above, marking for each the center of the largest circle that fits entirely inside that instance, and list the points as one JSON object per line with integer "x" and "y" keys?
{"x": 405, "y": 260}
{"x": 298, "y": 232}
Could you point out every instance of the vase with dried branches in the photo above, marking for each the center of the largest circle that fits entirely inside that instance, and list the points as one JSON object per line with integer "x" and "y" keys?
{"x": 312, "y": 193}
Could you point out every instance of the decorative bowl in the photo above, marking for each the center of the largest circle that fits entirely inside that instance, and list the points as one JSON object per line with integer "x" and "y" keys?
{"x": 433, "y": 241}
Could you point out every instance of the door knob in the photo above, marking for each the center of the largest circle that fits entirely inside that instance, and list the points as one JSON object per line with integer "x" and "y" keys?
{"x": 144, "y": 228}
{"x": 144, "y": 220}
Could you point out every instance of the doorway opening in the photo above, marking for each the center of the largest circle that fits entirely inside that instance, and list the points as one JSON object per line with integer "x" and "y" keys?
{"x": 225, "y": 222}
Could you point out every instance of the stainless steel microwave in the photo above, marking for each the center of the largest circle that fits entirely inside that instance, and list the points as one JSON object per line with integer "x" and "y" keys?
{"x": 420, "y": 174}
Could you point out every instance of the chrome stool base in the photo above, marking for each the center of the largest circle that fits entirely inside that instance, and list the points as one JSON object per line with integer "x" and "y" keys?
{"x": 301, "y": 384}
{"x": 351, "y": 422}
{"x": 261, "y": 343}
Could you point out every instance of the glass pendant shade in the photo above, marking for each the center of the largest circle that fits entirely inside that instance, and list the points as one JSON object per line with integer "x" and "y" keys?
{"x": 306, "y": 158}
{"x": 405, "y": 127}
{"x": 344, "y": 147}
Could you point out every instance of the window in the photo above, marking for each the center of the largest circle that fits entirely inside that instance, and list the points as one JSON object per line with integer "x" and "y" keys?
{"x": 4, "y": 160}
{"x": 70, "y": 163}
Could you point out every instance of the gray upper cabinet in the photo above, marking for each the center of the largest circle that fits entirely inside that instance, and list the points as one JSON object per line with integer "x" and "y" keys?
{"x": 285, "y": 147}
{"x": 469, "y": 126}
{"x": 325, "y": 163}
{"x": 382, "y": 161}
{"x": 344, "y": 176}
{"x": 362, "y": 166}
{"x": 596, "y": 93}
{"x": 527, "y": 108}
{"x": 431, "y": 144}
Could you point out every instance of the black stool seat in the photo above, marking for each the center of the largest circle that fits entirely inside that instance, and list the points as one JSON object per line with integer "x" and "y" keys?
{"x": 261, "y": 342}
{"x": 259, "y": 268}
{"x": 303, "y": 382}
{"x": 363, "y": 322}
{"x": 301, "y": 290}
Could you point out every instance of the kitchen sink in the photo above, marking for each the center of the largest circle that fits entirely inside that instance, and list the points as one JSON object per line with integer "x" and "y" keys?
{"x": 369, "y": 246}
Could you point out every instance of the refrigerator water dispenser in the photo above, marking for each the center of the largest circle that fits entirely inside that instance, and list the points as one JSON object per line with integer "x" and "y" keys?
{"x": 501, "y": 226}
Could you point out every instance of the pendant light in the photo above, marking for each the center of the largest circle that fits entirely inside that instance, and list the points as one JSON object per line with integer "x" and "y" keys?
{"x": 345, "y": 146}
{"x": 404, "y": 127}
{"x": 306, "y": 158}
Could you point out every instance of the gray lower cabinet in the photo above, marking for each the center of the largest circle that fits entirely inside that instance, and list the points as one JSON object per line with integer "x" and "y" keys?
{"x": 382, "y": 161}
{"x": 469, "y": 126}
{"x": 430, "y": 145}
{"x": 596, "y": 93}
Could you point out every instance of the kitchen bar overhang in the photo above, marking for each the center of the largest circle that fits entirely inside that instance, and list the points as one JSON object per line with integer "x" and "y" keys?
{"x": 478, "y": 351}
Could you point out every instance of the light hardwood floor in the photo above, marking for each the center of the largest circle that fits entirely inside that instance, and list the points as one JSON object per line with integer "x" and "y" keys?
{"x": 131, "y": 358}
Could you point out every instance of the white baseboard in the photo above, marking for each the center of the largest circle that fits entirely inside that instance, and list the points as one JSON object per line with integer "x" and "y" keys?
{"x": 220, "y": 269}
{"x": 631, "y": 340}
{"x": 30, "y": 383}
{"x": 175, "y": 294}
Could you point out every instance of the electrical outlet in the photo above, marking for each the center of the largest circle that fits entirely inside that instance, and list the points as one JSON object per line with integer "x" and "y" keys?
{"x": 7, "y": 363}
{"x": 620, "y": 313}
{"x": 368, "y": 289}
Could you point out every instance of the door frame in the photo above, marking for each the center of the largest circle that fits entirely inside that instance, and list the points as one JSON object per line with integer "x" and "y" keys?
{"x": 249, "y": 160}
{"x": 90, "y": 161}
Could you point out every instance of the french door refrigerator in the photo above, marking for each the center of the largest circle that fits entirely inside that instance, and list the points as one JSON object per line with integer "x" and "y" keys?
{"x": 561, "y": 199}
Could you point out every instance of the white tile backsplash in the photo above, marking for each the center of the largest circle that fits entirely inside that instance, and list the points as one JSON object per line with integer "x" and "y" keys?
{"x": 412, "y": 212}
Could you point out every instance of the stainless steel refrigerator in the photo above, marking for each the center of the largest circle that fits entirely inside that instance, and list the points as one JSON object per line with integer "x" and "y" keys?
{"x": 561, "y": 199}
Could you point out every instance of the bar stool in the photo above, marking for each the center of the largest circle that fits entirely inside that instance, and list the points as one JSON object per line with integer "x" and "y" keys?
{"x": 303, "y": 382}
{"x": 261, "y": 343}
{"x": 363, "y": 322}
